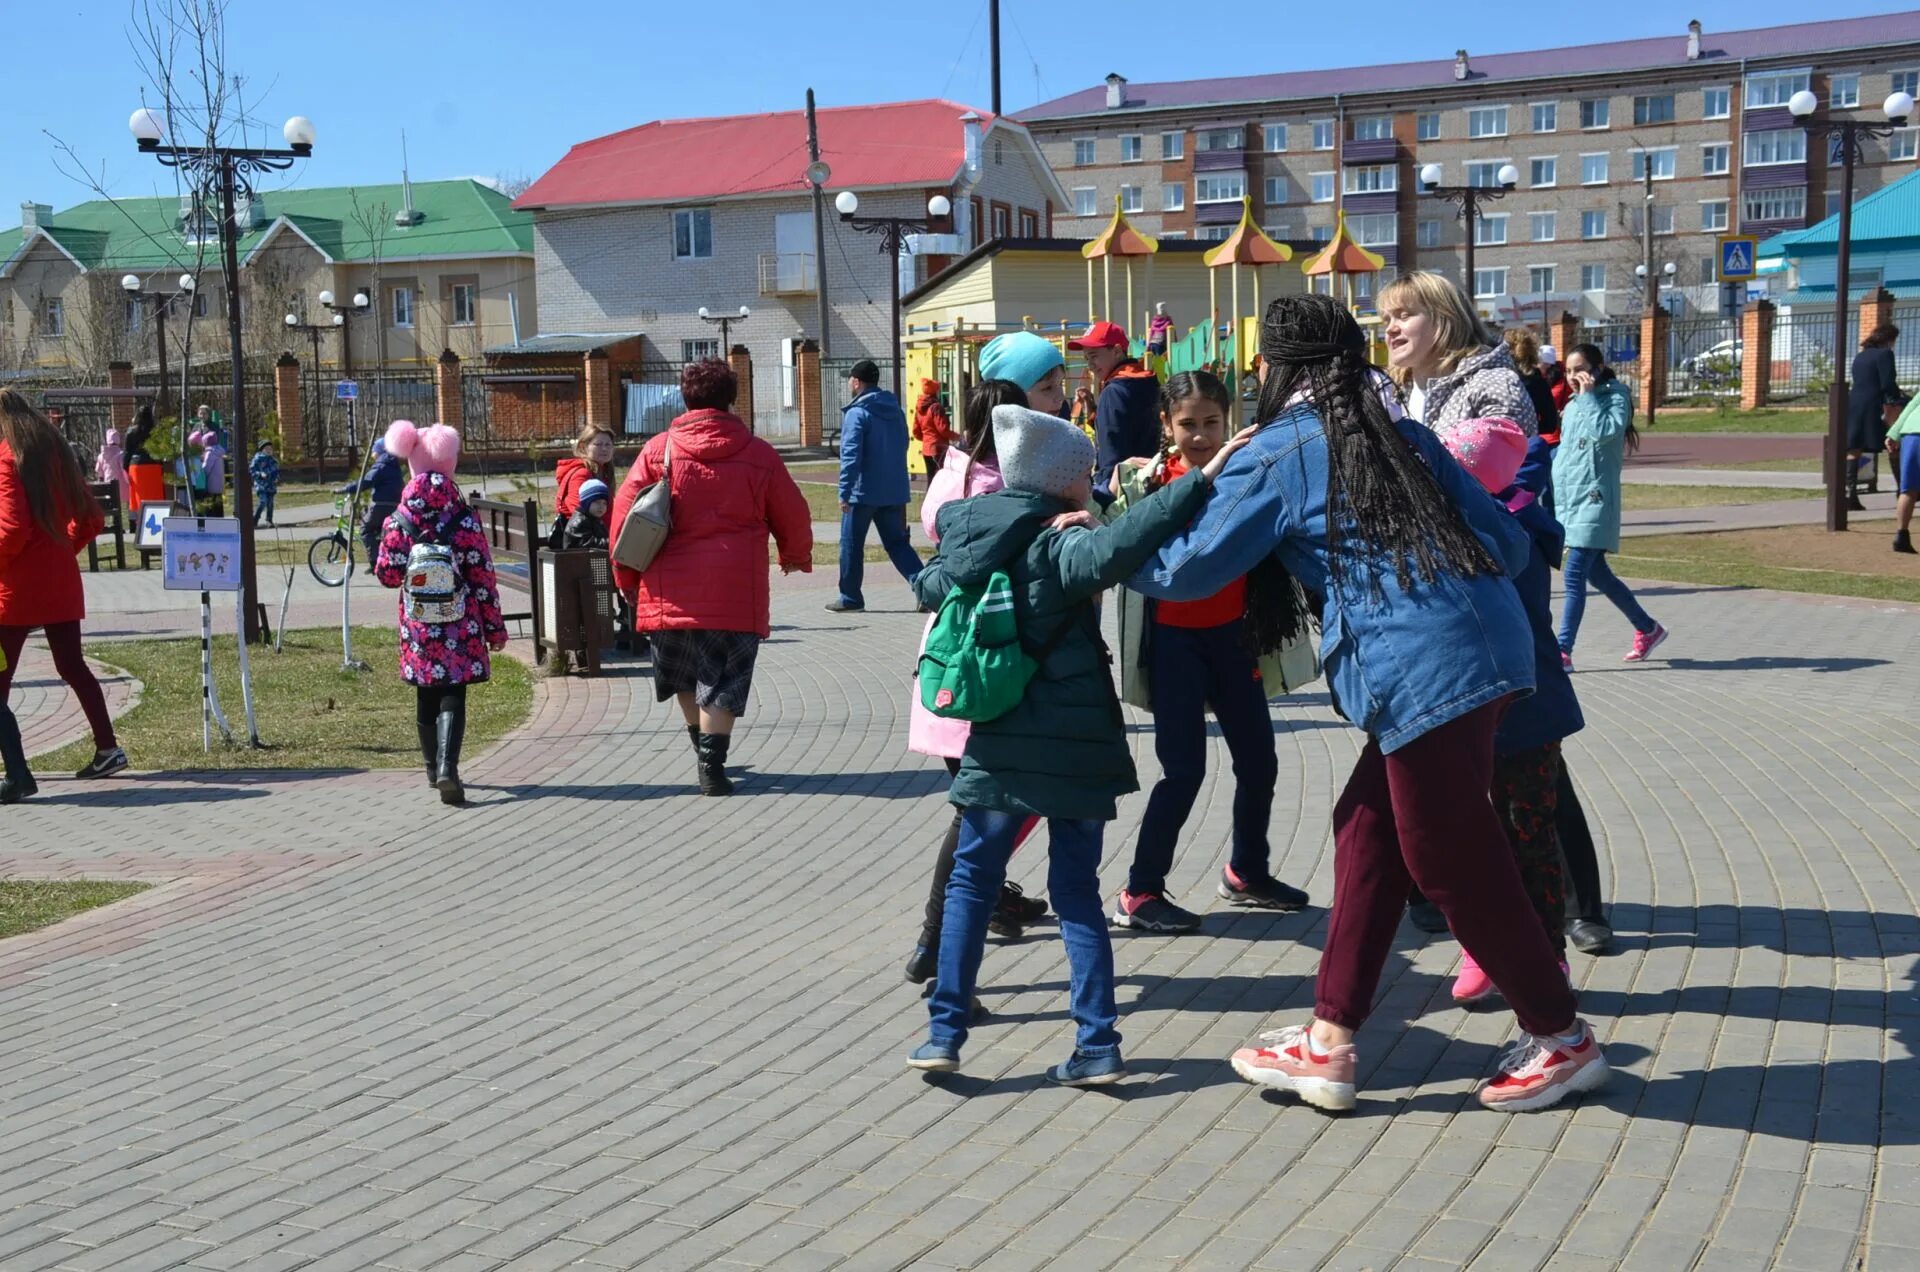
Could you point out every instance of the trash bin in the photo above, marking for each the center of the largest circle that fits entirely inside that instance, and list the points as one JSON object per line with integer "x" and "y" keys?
{"x": 146, "y": 482}
{"x": 576, "y": 593}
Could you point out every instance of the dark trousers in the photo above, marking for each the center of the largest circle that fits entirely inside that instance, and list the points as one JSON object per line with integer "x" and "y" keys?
{"x": 932, "y": 464}
{"x": 1584, "y": 897}
{"x": 373, "y": 529}
{"x": 891, "y": 522}
{"x": 1416, "y": 817}
{"x": 1526, "y": 787}
{"x": 64, "y": 640}
{"x": 1192, "y": 669}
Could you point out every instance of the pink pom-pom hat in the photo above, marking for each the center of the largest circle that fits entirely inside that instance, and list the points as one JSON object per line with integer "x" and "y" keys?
{"x": 1490, "y": 448}
{"x": 433, "y": 449}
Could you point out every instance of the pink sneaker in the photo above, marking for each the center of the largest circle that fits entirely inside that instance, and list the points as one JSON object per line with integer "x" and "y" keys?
{"x": 1540, "y": 1071}
{"x": 1285, "y": 1060}
{"x": 1645, "y": 643}
{"x": 1472, "y": 985}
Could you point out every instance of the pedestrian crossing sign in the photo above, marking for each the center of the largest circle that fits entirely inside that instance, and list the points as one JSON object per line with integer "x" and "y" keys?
{"x": 1739, "y": 258}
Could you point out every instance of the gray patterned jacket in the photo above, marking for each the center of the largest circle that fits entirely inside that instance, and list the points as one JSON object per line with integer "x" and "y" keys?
{"x": 1484, "y": 384}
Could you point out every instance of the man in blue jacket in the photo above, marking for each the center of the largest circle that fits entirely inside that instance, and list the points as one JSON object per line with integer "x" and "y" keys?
{"x": 873, "y": 484}
{"x": 385, "y": 478}
{"x": 1127, "y": 415}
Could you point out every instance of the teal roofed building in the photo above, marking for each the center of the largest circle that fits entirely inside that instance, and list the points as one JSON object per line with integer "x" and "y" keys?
{"x": 1800, "y": 265}
{"x": 443, "y": 265}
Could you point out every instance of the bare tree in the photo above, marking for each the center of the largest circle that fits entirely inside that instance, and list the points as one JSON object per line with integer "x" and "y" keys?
{"x": 511, "y": 184}
{"x": 373, "y": 220}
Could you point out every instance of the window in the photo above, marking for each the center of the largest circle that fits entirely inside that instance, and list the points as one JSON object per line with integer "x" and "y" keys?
{"x": 1543, "y": 172}
{"x": 1214, "y": 233}
{"x": 1656, "y": 108}
{"x": 1000, "y": 217}
{"x": 1833, "y": 206}
{"x": 1276, "y": 190}
{"x": 1662, "y": 219}
{"x": 1490, "y": 229}
{"x": 1086, "y": 201}
{"x": 1490, "y": 282}
{"x": 1901, "y": 144}
{"x": 1786, "y": 204}
{"x": 1173, "y": 234}
{"x": 1546, "y": 117}
{"x": 1373, "y": 179}
{"x": 1713, "y": 214}
{"x": 1487, "y": 121}
{"x": 1278, "y": 231}
{"x": 1130, "y": 149}
{"x": 1715, "y": 103}
{"x": 199, "y": 304}
{"x": 1373, "y": 128}
{"x": 1082, "y": 151}
{"x": 1541, "y": 226}
{"x": 1707, "y": 269}
{"x": 1132, "y": 199}
{"x": 1323, "y": 234}
{"x": 1363, "y": 290}
{"x": 1485, "y": 173}
{"x": 462, "y": 304}
{"x": 1427, "y": 126}
{"x": 1222, "y": 139}
{"x": 1375, "y": 229}
{"x": 1775, "y": 145}
{"x": 1593, "y": 278}
{"x": 1029, "y": 224}
{"x": 1322, "y": 187}
{"x": 1427, "y": 234}
{"x": 1220, "y": 187}
{"x": 53, "y": 317}
{"x": 1594, "y": 112}
{"x": 1173, "y": 145}
{"x": 133, "y": 313}
{"x": 1276, "y": 137}
{"x": 1714, "y": 159}
{"x": 695, "y": 350}
{"x": 1323, "y": 134}
{"x": 692, "y": 234}
{"x": 1907, "y": 82}
{"x": 1593, "y": 170}
{"x": 1540, "y": 279}
{"x": 402, "y": 306}
{"x": 1173, "y": 196}
{"x": 1663, "y": 162}
{"x": 1593, "y": 225}
{"x": 1775, "y": 88}
{"x": 1843, "y": 92}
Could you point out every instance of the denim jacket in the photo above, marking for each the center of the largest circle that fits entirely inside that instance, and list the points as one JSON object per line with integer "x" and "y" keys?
{"x": 1400, "y": 663}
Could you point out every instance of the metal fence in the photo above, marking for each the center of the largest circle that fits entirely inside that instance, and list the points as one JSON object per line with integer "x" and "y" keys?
{"x": 1906, "y": 350}
{"x": 1619, "y": 341}
{"x": 526, "y": 408}
{"x": 649, "y": 399}
{"x": 1703, "y": 359}
{"x": 1802, "y": 353}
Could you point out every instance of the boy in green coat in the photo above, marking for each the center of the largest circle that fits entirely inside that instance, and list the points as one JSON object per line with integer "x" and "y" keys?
{"x": 1062, "y": 752}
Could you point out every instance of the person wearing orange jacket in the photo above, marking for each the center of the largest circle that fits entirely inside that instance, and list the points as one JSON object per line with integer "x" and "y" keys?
{"x": 931, "y": 428}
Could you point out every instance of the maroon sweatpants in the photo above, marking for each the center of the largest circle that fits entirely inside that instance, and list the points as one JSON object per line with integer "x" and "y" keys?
{"x": 1422, "y": 815}
{"x": 64, "y": 640}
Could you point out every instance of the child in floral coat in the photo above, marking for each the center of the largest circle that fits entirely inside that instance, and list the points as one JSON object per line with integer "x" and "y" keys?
{"x": 440, "y": 659}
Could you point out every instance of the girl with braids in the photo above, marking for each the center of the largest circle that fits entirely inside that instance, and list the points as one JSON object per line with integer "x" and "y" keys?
{"x": 1424, "y": 642}
{"x": 1178, "y": 659}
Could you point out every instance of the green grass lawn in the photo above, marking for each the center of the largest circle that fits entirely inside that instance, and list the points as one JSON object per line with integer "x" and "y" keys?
{"x": 26, "y": 905}
{"x": 1807, "y": 464}
{"x": 1784, "y": 559}
{"x": 1644, "y": 496}
{"x": 1673, "y": 419}
{"x": 823, "y": 501}
{"x": 312, "y": 715}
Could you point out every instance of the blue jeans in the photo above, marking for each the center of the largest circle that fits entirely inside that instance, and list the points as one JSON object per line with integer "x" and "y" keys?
{"x": 1589, "y": 565}
{"x": 1073, "y": 885}
{"x": 891, "y": 522}
{"x": 262, "y": 507}
{"x": 1193, "y": 668}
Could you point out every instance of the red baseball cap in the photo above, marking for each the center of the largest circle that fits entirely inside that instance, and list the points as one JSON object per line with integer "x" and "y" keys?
{"x": 1102, "y": 335}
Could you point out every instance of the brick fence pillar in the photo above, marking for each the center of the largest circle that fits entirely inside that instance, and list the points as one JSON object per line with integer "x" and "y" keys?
{"x": 1653, "y": 359}
{"x": 741, "y": 363}
{"x": 1756, "y": 355}
{"x": 806, "y": 389}
{"x": 120, "y": 376}
{"x": 288, "y": 406}
{"x": 600, "y": 390}
{"x": 1875, "y": 310}
{"x": 1566, "y": 334}
{"x": 452, "y": 408}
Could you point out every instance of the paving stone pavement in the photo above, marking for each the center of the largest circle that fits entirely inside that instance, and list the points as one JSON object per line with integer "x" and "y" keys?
{"x": 596, "y": 1021}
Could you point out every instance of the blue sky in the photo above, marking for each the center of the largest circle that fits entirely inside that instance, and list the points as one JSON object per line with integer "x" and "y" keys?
{"x": 485, "y": 87}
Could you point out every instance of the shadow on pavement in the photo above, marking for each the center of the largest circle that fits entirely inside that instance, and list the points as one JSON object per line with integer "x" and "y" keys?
{"x": 1775, "y": 663}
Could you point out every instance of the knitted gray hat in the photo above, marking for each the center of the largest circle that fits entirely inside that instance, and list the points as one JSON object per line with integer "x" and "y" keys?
{"x": 1040, "y": 454}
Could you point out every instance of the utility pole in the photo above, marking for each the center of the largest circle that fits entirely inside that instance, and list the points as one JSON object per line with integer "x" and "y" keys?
{"x": 993, "y": 44}
{"x": 817, "y": 174}
{"x": 1650, "y": 299}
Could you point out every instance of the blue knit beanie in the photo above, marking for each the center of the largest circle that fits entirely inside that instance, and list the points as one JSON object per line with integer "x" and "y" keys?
{"x": 1019, "y": 356}
{"x": 593, "y": 489}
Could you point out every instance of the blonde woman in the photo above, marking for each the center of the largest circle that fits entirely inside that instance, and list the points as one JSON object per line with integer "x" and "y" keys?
{"x": 1450, "y": 368}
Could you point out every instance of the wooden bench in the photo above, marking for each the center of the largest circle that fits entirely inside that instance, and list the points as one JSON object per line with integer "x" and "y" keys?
{"x": 107, "y": 494}
{"x": 514, "y": 536}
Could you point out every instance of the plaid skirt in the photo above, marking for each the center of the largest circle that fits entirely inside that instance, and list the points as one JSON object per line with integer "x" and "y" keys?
{"x": 715, "y": 667}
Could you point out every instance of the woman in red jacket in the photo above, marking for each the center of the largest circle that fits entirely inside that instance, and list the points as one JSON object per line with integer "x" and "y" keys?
{"x": 704, "y": 599}
{"x": 47, "y": 514}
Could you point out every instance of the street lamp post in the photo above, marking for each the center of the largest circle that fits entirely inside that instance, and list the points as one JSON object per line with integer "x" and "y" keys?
{"x": 1468, "y": 199}
{"x": 313, "y": 330}
{"x": 725, "y": 323}
{"x": 231, "y": 169}
{"x": 343, "y": 316}
{"x": 1847, "y": 135}
{"x": 892, "y": 230}
{"x": 161, "y": 302}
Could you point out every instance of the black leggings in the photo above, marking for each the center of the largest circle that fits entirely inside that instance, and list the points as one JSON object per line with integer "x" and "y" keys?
{"x": 1583, "y": 861}
{"x": 432, "y": 701}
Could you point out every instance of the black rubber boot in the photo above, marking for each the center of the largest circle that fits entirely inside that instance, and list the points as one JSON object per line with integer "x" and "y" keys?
{"x": 1902, "y": 541}
{"x": 19, "y": 783}
{"x": 712, "y": 749}
{"x": 426, "y": 724}
{"x": 693, "y": 736}
{"x": 451, "y": 730}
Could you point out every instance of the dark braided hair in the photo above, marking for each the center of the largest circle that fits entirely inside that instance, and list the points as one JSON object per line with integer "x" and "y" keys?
{"x": 1377, "y": 484}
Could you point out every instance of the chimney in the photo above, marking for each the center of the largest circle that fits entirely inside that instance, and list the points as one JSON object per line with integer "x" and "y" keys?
{"x": 1693, "y": 40}
{"x": 1116, "y": 91}
{"x": 970, "y": 144}
{"x": 1460, "y": 68}
{"x": 33, "y": 215}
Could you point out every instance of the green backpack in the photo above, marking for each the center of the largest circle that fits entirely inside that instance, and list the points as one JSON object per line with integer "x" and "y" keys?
{"x": 973, "y": 666}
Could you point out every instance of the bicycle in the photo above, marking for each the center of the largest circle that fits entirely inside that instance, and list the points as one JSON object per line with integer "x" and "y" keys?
{"x": 330, "y": 557}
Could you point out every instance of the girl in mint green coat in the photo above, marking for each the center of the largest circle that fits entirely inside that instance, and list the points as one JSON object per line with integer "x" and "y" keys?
{"x": 1596, "y": 435}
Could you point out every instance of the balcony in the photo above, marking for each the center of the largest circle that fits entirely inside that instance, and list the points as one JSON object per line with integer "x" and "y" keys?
{"x": 1220, "y": 160}
{"x": 788, "y": 274}
{"x": 1218, "y": 212}
{"x": 1371, "y": 150}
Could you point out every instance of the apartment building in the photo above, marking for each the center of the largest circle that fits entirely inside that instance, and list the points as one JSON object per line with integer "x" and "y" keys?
{"x": 1705, "y": 112}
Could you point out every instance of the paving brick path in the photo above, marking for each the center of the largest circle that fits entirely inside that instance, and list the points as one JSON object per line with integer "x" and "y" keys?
{"x": 596, "y": 1021}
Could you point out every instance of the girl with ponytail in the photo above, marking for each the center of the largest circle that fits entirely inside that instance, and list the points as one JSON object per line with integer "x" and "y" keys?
{"x": 1402, "y": 559}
